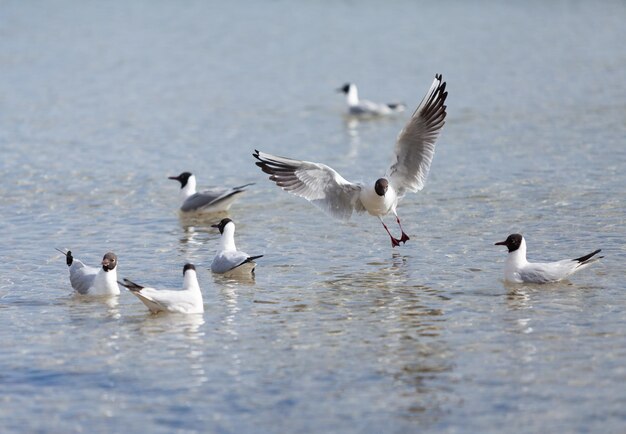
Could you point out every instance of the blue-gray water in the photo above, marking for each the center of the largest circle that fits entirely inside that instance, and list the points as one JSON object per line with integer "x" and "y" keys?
{"x": 101, "y": 101}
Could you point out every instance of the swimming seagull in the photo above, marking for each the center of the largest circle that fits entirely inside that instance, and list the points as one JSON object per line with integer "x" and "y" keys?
{"x": 518, "y": 269}
{"x": 328, "y": 190}
{"x": 364, "y": 107}
{"x": 228, "y": 259}
{"x": 187, "y": 300}
{"x": 213, "y": 200}
{"x": 91, "y": 280}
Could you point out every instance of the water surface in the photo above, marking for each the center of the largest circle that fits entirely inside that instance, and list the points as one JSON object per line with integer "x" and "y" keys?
{"x": 100, "y": 102}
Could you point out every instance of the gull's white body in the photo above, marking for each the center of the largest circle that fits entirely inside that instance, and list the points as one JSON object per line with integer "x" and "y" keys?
{"x": 229, "y": 260}
{"x": 376, "y": 205}
{"x": 360, "y": 107}
{"x": 93, "y": 281}
{"x": 517, "y": 269}
{"x": 187, "y": 300}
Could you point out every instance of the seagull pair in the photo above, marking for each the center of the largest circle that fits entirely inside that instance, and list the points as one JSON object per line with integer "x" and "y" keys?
{"x": 327, "y": 189}
{"x": 103, "y": 282}
{"x": 518, "y": 270}
{"x": 361, "y": 107}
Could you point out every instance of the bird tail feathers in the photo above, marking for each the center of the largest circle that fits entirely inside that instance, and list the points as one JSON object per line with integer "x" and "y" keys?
{"x": 132, "y": 286}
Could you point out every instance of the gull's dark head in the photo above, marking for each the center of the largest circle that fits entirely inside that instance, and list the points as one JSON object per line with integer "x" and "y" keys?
{"x": 109, "y": 262}
{"x": 345, "y": 88}
{"x": 512, "y": 242}
{"x": 188, "y": 267}
{"x": 222, "y": 224}
{"x": 381, "y": 186}
{"x": 183, "y": 178}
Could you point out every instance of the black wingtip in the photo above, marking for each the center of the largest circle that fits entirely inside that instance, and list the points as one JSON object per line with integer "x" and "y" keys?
{"x": 589, "y": 256}
{"x": 132, "y": 286}
{"x": 68, "y": 256}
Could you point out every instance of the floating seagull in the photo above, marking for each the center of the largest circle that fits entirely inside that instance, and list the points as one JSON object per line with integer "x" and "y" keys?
{"x": 91, "y": 280}
{"x": 187, "y": 300}
{"x": 327, "y": 189}
{"x": 367, "y": 108}
{"x": 228, "y": 259}
{"x": 518, "y": 269}
{"x": 213, "y": 200}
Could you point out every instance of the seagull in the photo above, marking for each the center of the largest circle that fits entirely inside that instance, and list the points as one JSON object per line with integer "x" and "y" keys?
{"x": 213, "y": 200}
{"x": 327, "y": 189}
{"x": 228, "y": 259}
{"x": 91, "y": 280}
{"x": 517, "y": 269}
{"x": 189, "y": 300}
{"x": 363, "y": 107}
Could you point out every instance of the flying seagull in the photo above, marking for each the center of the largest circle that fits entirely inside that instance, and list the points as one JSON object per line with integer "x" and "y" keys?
{"x": 324, "y": 187}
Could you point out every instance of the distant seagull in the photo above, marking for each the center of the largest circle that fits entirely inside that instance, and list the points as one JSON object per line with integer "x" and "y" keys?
{"x": 90, "y": 280}
{"x": 518, "y": 269}
{"x": 213, "y": 200}
{"x": 187, "y": 300}
{"x": 363, "y": 107}
{"x": 228, "y": 259}
{"x": 327, "y": 189}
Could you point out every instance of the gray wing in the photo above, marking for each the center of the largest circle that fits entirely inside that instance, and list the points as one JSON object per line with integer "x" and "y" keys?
{"x": 82, "y": 276}
{"x": 226, "y": 261}
{"x": 211, "y": 197}
{"x": 535, "y": 276}
{"x": 543, "y": 272}
{"x": 316, "y": 182}
{"x": 415, "y": 146}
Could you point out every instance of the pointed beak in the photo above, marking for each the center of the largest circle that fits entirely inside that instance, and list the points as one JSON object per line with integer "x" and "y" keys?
{"x": 215, "y": 226}
{"x": 500, "y": 243}
{"x": 175, "y": 178}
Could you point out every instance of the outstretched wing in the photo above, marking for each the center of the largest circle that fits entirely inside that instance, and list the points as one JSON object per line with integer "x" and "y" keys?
{"x": 315, "y": 182}
{"x": 415, "y": 146}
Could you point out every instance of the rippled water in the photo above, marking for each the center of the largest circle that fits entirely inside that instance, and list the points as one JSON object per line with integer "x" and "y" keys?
{"x": 100, "y": 102}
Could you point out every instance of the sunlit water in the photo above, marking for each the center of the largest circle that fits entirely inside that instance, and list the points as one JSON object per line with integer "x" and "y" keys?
{"x": 101, "y": 101}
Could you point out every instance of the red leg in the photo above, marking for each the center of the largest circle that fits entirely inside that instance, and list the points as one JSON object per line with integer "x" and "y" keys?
{"x": 404, "y": 238}
{"x": 394, "y": 241}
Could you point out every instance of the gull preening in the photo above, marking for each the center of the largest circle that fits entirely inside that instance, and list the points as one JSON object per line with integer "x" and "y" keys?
{"x": 361, "y": 107}
{"x": 187, "y": 300}
{"x": 517, "y": 269}
{"x": 90, "y": 280}
{"x": 327, "y": 189}
{"x": 213, "y": 200}
{"x": 228, "y": 260}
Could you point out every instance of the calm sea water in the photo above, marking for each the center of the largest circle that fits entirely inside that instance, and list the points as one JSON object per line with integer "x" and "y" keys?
{"x": 101, "y": 101}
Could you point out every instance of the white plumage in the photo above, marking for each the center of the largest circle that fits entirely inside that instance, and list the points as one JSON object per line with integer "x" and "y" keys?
{"x": 187, "y": 300}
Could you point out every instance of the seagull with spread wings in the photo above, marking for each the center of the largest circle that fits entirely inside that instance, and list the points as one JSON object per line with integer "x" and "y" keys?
{"x": 327, "y": 189}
